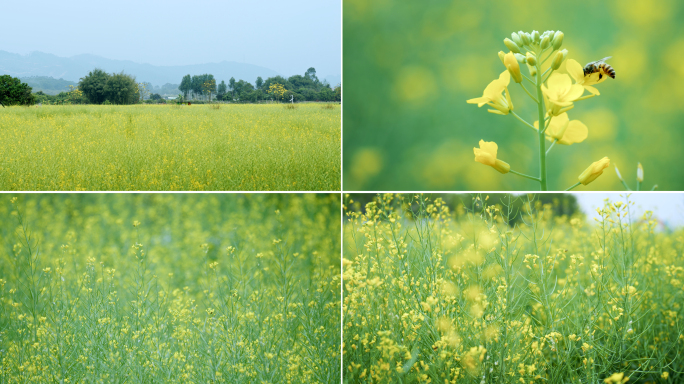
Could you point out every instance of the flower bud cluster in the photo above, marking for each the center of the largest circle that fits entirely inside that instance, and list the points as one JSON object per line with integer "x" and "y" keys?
{"x": 534, "y": 41}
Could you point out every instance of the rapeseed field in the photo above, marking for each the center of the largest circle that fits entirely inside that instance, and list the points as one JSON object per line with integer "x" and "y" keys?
{"x": 170, "y": 288}
{"x": 511, "y": 292}
{"x": 245, "y": 147}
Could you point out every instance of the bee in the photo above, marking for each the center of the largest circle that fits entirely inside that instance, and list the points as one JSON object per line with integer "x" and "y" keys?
{"x": 601, "y": 67}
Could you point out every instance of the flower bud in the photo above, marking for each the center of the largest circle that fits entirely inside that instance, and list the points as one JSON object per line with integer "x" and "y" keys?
{"x": 532, "y": 69}
{"x": 535, "y": 37}
{"x": 595, "y": 170}
{"x": 557, "y": 40}
{"x": 520, "y": 58}
{"x": 640, "y": 173}
{"x": 513, "y": 67}
{"x": 558, "y": 59}
{"x": 516, "y": 39}
{"x": 501, "y": 56}
{"x": 511, "y": 45}
{"x": 531, "y": 59}
{"x": 618, "y": 173}
{"x": 545, "y": 42}
{"x": 525, "y": 37}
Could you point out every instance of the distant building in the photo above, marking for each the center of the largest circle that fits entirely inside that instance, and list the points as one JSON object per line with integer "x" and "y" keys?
{"x": 171, "y": 97}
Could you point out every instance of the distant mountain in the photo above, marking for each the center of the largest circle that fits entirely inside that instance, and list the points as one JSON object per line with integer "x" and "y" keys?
{"x": 76, "y": 67}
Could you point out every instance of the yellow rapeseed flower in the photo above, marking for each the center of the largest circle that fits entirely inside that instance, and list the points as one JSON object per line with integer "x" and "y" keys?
{"x": 513, "y": 67}
{"x": 595, "y": 170}
{"x": 616, "y": 378}
{"x": 561, "y": 91}
{"x": 496, "y": 95}
{"x": 486, "y": 155}
{"x": 577, "y": 72}
{"x": 564, "y": 130}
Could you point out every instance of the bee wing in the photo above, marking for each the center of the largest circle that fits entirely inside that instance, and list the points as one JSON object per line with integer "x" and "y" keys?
{"x": 604, "y": 59}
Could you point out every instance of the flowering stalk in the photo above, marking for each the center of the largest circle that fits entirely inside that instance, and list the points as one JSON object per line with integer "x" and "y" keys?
{"x": 554, "y": 93}
{"x": 542, "y": 138}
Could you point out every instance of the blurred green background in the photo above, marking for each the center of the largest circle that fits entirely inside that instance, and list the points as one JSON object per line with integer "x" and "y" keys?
{"x": 410, "y": 66}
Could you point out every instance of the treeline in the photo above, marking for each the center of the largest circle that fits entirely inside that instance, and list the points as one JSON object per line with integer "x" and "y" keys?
{"x": 295, "y": 88}
{"x": 99, "y": 87}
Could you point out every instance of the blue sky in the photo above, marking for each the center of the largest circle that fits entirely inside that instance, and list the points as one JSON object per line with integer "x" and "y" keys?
{"x": 286, "y": 36}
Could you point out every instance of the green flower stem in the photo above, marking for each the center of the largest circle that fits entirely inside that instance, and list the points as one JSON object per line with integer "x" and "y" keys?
{"x": 528, "y": 93}
{"x": 625, "y": 184}
{"x": 523, "y": 120}
{"x": 546, "y": 124}
{"x": 575, "y": 185}
{"x": 638, "y": 186}
{"x": 542, "y": 139}
{"x": 551, "y": 146}
{"x": 549, "y": 75}
{"x": 524, "y": 175}
{"x": 586, "y": 97}
{"x": 528, "y": 79}
{"x": 654, "y": 187}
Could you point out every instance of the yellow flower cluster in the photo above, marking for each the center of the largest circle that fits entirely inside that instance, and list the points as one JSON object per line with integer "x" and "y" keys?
{"x": 555, "y": 94}
{"x": 173, "y": 316}
{"x": 439, "y": 291}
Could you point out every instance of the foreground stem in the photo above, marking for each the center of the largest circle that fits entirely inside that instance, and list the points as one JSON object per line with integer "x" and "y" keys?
{"x": 542, "y": 139}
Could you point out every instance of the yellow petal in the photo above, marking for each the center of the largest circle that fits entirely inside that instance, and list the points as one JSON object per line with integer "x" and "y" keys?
{"x": 505, "y": 78}
{"x": 480, "y": 101}
{"x": 494, "y": 89}
{"x": 558, "y": 82}
{"x": 486, "y": 154}
{"x": 557, "y": 126}
{"x": 576, "y": 132}
{"x": 490, "y": 147}
{"x": 592, "y": 90}
{"x": 574, "y": 93}
{"x": 575, "y": 70}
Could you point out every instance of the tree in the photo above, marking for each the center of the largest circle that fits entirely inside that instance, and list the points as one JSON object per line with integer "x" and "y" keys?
{"x": 259, "y": 82}
{"x": 93, "y": 86}
{"x": 277, "y": 90}
{"x": 277, "y": 79}
{"x": 144, "y": 90}
{"x": 14, "y": 92}
{"x": 311, "y": 74}
{"x": 185, "y": 85}
{"x": 121, "y": 89}
{"x": 222, "y": 89}
{"x": 155, "y": 96}
{"x": 209, "y": 85}
{"x": 231, "y": 85}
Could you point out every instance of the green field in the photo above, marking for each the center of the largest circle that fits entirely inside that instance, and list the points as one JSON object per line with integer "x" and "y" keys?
{"x": 245, "y": 147}
{"x": 513, "y": 292}
{"x": 182, "y": 288}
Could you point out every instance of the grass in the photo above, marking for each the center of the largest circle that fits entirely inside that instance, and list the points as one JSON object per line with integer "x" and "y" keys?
{"x": 170, "y": 148}
{"x": 178, "y": 288}
{"x": 438, "y": 295}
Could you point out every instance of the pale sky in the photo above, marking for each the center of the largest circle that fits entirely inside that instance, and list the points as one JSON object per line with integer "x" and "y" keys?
{"x": 286, "y": 36}
{"x": 668, "y": 207}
